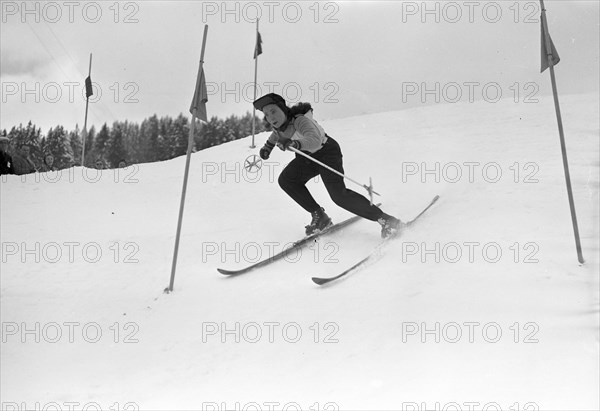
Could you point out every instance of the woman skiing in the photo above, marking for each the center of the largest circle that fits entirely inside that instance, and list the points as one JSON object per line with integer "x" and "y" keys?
{"x": 294, "y": 127}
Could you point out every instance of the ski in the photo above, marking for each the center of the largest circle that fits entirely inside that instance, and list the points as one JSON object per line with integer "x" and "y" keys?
{"x": 375, "y": 252}
{"x": 296, "y": 245}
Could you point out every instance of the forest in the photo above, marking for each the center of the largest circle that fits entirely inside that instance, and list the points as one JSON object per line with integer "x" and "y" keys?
{"x": 121, "y": 144}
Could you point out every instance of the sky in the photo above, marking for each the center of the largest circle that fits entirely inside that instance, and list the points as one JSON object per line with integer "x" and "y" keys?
{"x": 345, "y": 58}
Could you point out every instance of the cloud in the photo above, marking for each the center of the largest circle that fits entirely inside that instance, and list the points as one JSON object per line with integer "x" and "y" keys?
{"x": 14, "y": 64}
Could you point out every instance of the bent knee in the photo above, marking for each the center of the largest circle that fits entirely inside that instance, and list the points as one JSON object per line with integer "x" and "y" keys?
{"x": 339, "y": 197}
{"x": 283, "y": 181}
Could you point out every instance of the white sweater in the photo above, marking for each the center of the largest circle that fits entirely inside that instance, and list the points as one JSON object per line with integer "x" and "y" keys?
{"x": 304, "y": 129}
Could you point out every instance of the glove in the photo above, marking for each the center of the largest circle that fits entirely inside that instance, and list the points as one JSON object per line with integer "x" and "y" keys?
{"x": 285, "y": 145}
{"x": 265, "y": 151}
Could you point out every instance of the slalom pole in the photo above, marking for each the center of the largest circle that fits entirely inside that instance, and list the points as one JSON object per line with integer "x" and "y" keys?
{"x": 369, "y": 187}
{"x": 87, "y": 102}
{"x": 563, "y": 146}
{"x": 169, "y": 289}
{"x": 255, "y": 79}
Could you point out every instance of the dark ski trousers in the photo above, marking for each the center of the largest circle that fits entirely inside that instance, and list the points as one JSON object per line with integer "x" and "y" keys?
{"x": 300, "y": 170}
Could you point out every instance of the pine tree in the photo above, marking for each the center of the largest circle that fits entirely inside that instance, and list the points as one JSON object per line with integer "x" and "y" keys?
{"x": 163, "y": 146}
{"x": 208, "y": 136}
{"x": 57, "y": 143}
{"x": 90, "y": 153}
{"x": 14, "y": 137}
{"x": 133, "y": 142}
{"x": 101, "y": 144}
{"x": 75, "y": 142}
{"x": 116, "y": 150}
{"x": 179, "y": 136}
{"x": 149, "y": 136}
{"x": 231, "y": 127}
{"x": 32, "y": 140}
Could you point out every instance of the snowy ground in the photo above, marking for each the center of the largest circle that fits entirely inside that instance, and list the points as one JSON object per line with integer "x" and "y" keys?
{"x": 481, "y": 305}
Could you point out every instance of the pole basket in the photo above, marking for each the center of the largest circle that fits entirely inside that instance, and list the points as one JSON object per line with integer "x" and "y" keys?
{"x": 370, "y": 190}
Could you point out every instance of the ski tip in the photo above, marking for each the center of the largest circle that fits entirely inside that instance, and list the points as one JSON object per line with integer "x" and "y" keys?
{"x": 226, "y": 272}
{"x": 320, "y": 281}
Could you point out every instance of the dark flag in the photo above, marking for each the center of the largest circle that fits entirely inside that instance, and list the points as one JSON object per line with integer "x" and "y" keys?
{"x": 88, "y": 87}
{"x": 258, "y": 47}
{"x": 198, "y": 106}
{"x": 545, "y": 51}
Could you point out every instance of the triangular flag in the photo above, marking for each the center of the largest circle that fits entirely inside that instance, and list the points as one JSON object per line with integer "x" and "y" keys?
{"x": 555, "y": 56}
{"x": 198, "y": 106}
{"x": 258, "y": 47}
{"x": 89, "y": 90}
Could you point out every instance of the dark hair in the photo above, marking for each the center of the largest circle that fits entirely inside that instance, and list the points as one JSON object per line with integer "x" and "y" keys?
{"x": 290, "y": 113}
{"x": 285, "y": 109}
{"x": 300, "y": 108}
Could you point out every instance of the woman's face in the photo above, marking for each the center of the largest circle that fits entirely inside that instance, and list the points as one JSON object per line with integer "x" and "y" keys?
{"x": 275, "y": 116}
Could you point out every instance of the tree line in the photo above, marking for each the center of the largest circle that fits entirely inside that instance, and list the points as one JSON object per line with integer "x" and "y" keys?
{"x": 123, "y": 142}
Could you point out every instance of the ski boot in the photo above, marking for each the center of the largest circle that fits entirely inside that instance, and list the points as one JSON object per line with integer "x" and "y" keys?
{"x": 390, "y": 225}
{"x": 319, "y": 222}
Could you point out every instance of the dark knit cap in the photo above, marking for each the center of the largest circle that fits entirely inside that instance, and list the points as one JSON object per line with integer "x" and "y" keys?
{"x": 270, "y": 98}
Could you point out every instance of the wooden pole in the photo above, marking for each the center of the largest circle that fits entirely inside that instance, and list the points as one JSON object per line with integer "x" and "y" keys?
{"x": 563, "y": 146}
{"x": 255, "y": 79}
{"x": 185, "y": 177}
{"x": 87, "y": 102}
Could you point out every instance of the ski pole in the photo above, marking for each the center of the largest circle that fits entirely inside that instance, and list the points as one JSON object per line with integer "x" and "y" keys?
{"x": 369, "y": 188}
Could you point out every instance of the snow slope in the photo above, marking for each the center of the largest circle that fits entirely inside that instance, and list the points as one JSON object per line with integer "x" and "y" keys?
{"x": 481, "y": 305}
